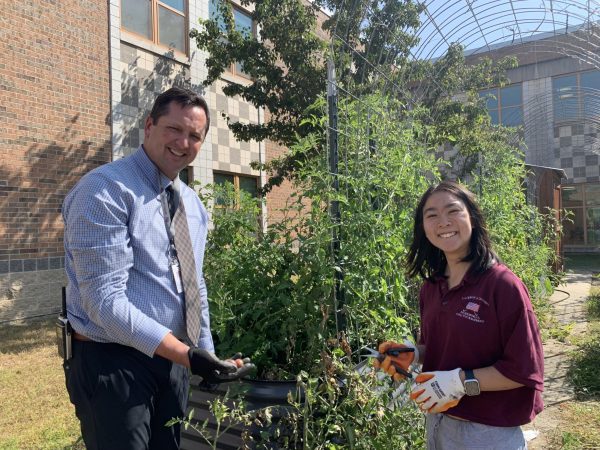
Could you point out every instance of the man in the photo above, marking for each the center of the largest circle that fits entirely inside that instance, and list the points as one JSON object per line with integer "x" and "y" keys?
{"x": 138, "y": 325}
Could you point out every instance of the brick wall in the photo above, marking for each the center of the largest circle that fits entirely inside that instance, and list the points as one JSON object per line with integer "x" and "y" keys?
{"x": 54, "y": 127}
{"x": 279, "y": 196}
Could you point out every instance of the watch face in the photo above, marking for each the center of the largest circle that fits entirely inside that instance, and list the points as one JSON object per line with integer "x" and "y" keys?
{"x": 472, "y": 387}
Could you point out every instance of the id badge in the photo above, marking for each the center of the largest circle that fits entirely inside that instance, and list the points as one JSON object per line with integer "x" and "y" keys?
{"x": 177, "y": 275}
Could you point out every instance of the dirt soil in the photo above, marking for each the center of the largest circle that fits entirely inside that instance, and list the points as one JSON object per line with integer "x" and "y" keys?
{"x": 569, "y": 308}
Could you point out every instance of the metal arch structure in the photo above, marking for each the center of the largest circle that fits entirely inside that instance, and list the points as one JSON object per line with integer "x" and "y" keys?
{"x": 533, "y": 31}
{"x": 567, "y": 27}
{"x": 484, "y": 26}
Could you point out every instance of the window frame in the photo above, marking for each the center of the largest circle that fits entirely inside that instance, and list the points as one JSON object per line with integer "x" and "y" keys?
{"x": 232, "y": 69}
{"x": 583, "y": 208}
{"x": 500, "y": 109}
{"x": 236, "y": 184}
{"x": 189, "y": 174}
{"x": 154, "y": 26}
{"x": 580, "y": 94}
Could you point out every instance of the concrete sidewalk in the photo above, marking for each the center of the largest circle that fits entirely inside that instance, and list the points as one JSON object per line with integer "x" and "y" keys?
{"x": 569, "y": 308}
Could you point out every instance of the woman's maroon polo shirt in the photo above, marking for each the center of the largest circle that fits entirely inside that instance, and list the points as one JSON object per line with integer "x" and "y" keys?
{"x": 486, "y": 320}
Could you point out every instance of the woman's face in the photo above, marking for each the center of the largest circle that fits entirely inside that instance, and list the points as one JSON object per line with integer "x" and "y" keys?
{"x": 447, "y": 224}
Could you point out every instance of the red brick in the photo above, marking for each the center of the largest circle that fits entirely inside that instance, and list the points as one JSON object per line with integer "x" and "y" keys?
{"x": 55, "y": 103}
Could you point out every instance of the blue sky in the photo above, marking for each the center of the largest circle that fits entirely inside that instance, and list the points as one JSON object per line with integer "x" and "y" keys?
{"x": 481, "y": 23}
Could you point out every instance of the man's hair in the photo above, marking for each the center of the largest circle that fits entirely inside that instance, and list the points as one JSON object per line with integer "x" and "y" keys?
{"x": 183, "y": 97}
{"x": 428, "y": 261}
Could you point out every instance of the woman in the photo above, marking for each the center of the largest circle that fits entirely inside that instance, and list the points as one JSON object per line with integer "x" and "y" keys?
{"x": 480, "y": 344}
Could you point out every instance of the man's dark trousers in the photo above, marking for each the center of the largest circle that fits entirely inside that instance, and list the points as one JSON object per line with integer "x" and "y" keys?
{"x": 123, "y": 398}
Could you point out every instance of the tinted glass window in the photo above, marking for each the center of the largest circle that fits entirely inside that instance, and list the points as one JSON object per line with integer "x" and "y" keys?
{"x": 171, "y": 29}
{"x": 135, "y": 16}
{"x": 572, "y": 196}
{"x": 511, "y": 96}
{"x": 491, "y": 101}
{"x": 175, "y": 4}
{"x": 573, "y": 228}
{"x": 592, "y": 195}
{"x": 243, "y": 22}
{"x": 248, "y": 184}
{"x": 184, "y": 175}
{"x": 494, "y": 117}
{"x": 512, "y": 117}
{"x": 566, "y": 102}
{"x": 590, "y": 79}
{"x": 593, "y": 226}
{"x": 221, "y": 178}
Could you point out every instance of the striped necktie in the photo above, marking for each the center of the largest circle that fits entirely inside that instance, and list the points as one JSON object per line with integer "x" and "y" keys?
{"x": 187, "y": 264}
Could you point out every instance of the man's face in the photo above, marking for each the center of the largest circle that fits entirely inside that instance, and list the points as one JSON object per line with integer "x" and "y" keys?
{"x": 174, "y": 141}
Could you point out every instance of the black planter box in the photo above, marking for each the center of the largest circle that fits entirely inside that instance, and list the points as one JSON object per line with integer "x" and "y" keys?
{"x": 258, "y": 394}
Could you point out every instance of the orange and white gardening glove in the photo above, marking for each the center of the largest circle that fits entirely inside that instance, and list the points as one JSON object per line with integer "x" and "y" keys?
{"x": 400, "y": 359}
{"x": 436, "y": 392}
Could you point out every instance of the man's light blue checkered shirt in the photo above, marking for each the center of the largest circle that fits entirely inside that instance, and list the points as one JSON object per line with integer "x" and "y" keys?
{"x": 121, "y": 288}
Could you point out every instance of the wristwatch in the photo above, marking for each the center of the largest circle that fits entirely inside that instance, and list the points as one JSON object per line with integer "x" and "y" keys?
{"x": 471, "y": 384}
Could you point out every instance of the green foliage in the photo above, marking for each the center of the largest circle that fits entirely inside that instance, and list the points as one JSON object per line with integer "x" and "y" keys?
{"x": 558, "y": 331}
{"x": 586, "y": 360}
{"x": 570, "y": 441}
{"x": 284, "y": 62}
{"x": 352, "y": 410}
{"x": 227, "y": 412}
{"x": 521, "y": 235}
{"x": 384, "y": 173}
{"x": 287, "y": 61}
{"x": 380, "y": 34}
{"x": 272, "y": 292}
{"x": 584, "y": 374}
{"x": 269, "y": 291}
{"x": 593, "y": 303}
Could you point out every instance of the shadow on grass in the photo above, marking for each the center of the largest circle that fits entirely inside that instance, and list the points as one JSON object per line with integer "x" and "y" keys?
{"x": 19, "y": 337}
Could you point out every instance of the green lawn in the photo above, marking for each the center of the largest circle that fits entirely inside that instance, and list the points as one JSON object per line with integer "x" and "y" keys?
{"x": 35, "y": 412}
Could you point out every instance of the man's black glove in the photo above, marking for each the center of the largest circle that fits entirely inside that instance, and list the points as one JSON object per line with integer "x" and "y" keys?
{"x": 215, "y": 370}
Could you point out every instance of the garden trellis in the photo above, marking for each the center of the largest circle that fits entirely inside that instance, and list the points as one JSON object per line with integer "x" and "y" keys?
{"x": 413, "y": 72}
{"x": 385, "y": 98}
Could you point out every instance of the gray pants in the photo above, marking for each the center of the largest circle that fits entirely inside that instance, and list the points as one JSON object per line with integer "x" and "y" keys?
{"x": 446, "y": 433}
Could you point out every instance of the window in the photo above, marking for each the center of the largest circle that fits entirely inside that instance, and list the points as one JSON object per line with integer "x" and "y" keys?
{"x": 161, "y": 21}
{"x": 583, "y": 201}
{"x": 576, "y": 96}
{"x": 185, "y": 175}
{"x": 240, "y": 183}
{"x": 243, "y": 24}
{"x": 505, "y": 105}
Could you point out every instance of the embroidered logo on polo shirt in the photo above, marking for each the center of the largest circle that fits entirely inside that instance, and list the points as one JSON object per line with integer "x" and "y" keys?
{"x": 471, "y": 308}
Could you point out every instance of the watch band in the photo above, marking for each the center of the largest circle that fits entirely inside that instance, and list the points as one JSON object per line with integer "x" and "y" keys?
{"x": 471, "y": 384}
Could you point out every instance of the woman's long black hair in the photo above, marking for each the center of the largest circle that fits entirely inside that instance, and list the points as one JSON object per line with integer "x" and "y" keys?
{"x": 428, "y": 261}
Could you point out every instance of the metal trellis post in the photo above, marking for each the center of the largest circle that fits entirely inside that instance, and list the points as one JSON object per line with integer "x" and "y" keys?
{"x": 334, "y": 207}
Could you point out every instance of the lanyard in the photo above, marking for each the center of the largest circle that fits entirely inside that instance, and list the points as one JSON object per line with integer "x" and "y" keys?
{"x": 167, "y": 220}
